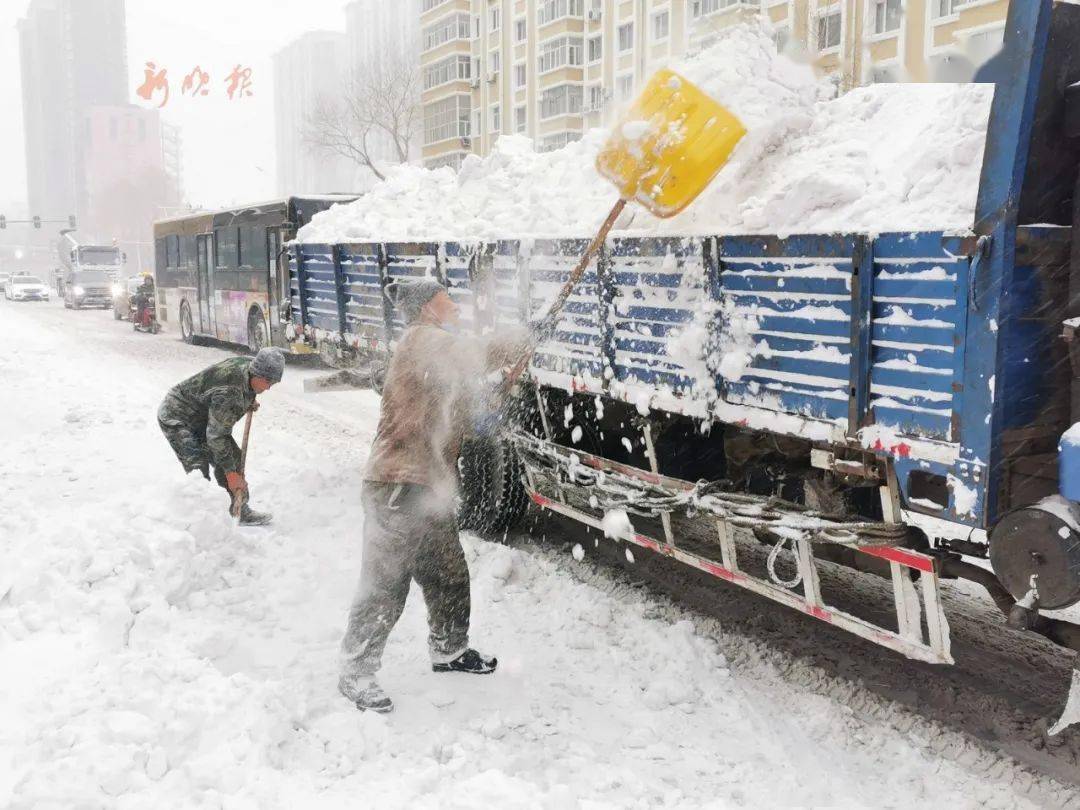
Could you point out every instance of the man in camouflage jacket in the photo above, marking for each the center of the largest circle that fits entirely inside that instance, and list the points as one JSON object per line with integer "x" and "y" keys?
{"x": 197, "y": 417}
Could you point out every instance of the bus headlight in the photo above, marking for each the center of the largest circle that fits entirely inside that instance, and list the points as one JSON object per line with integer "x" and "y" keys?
{"x": 117, "y": 289}
{"x": 78, "y": 290}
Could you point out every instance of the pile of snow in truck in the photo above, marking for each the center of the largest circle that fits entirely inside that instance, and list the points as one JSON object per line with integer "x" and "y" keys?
{"x": 880, "y": 158}
{"x": 884, "y": 158}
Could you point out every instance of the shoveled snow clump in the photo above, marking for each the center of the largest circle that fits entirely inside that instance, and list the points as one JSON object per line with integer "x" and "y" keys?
{"x": 881, "y": 158}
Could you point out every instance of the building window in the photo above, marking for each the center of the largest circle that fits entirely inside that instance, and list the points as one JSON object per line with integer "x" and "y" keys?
{"x": 447, "y": 70}
{"x": 596, "y": 49}
{"x": 496, "y": 119}
{"x": 560, "y": 52}
{"x": 446, "y": 119}
{"x": 551, "y": 10}
{"x": 495, "y": 61}
{"x": 521, "y": 29}
{"x": 781, "y": 37}
{"x": 452, "y": 160}
{"x": 520, "y": 76}
{"x": 449, "y": 28}
{"x": 947, "y": 8}
{"x": 703, "y": 8}
{"x": 596, "y": 98}
{"x": 493, "y": 18}
{"x": 521, "y": 119}
{"x": 558, "y": 140}
{"x": 624, "y": 85}
{"x": 887, "y": 16}
{"x": 563, "y": 99}
{"x": 661, "y": 26}
{"x": 430, "y": 4}
{"x": 828, "y": 29}
{"x": 626, "y": 37}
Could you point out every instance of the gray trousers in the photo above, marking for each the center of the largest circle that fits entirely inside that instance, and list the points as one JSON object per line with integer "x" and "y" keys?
{"x": 406, "y": 537}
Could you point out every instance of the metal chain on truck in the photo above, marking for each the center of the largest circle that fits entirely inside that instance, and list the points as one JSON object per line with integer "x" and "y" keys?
{"x": 614, "y": 490}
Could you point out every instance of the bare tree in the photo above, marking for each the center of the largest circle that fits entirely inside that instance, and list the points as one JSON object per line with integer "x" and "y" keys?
{"x": 379, "y": 104}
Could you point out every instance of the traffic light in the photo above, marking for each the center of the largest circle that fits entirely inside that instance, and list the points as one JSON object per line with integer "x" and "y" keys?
{"x": 3, "y": 222}
{"x": 71, "y": 222}
{"x": 37, "y": 222}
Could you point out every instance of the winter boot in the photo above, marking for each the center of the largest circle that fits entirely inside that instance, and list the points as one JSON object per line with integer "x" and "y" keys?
{"x": 249, "y": 517}
{"x": 367, "y": 696}
{"x": 469, "y": 661}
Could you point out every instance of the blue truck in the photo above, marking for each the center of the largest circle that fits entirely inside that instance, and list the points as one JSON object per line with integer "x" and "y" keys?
{"x": 895, "y": 405}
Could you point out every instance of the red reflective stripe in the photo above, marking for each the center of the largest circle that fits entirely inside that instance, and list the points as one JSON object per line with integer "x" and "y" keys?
{"x": 912, "y": 559}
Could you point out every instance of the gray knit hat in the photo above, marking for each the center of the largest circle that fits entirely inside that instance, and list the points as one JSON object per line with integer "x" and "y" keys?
{"x": 268, "y": 364}
{"x": 410, "y": 296}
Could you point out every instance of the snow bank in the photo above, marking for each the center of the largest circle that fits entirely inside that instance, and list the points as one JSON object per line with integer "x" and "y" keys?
{"x": 156, "y": 655}
{"x": 886, "y": 157}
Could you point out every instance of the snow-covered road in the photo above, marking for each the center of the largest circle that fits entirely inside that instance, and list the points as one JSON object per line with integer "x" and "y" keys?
{"x": 152, "y": 654}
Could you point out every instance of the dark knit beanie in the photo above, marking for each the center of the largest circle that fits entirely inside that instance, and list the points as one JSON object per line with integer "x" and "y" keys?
{"x": 268, "y": 364}
{"x": 410, "y": 296}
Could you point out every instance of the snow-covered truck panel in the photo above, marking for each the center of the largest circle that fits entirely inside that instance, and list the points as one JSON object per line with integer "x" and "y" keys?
{"x": 927, "y": 366}
{"x": 849, "y": 341}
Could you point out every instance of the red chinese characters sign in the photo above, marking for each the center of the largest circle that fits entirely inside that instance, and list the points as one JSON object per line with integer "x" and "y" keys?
{"x": 155, "y": 86}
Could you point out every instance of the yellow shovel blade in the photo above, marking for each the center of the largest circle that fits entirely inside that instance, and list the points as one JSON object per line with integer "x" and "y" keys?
{"x": 669, "y": 145}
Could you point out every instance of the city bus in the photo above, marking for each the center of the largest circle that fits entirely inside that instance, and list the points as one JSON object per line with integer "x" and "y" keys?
{"x": 223, "y": 275}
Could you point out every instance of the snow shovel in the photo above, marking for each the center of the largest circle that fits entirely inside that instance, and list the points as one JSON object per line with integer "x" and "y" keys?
{"x": 241, "y": 498}
{"x": 663, "y": 153}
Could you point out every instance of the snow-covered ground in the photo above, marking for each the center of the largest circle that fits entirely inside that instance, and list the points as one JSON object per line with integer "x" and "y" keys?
{"x": 152, "y": 654}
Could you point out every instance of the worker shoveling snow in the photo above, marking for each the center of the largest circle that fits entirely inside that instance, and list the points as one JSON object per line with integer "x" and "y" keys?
{"x": 881, "y": 158}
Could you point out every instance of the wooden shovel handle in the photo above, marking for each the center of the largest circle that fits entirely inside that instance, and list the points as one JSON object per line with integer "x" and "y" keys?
{"x": 240, "y": 498}
{"x": 552, "y": 316}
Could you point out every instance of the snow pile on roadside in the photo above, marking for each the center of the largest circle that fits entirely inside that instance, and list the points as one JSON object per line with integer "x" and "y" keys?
{"x": 885, "y": 157}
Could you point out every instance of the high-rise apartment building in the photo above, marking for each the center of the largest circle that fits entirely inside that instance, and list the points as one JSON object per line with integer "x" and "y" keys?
{"x": 551, "y": 68}
{"x": 447, "y": 80}
{"x": 73, "y": 56}
{"x": 385, "y": 32}
{"x": 311, "y": 67}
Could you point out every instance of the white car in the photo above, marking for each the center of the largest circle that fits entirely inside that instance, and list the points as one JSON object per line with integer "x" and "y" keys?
{"x": 25, "y": 288}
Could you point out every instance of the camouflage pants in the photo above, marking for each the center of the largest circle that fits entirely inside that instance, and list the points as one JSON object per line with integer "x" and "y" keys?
{"x": 405, "y": 539}
{"x": 189, "y": 444}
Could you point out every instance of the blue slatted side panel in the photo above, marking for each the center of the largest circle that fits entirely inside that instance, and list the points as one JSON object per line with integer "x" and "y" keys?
{"x": 405, "y": 260}
{"x": 659, "y": 290}
{"x": 294, "y": 285}
{"x": 918, "y": 310}
{"x": 785, "y": 335}
{"x": 506, "y": 273}
{"x": 363, "y": 291}
{"x": 456, "y": 260}
{"x": 319, "y": 290}
{"x": 575, "y": 348}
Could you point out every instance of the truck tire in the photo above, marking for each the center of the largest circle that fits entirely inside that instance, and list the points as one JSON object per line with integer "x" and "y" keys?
{"x": 493, "y": 498}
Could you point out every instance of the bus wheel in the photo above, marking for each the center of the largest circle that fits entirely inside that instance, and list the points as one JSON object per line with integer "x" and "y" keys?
{"x": 187, "y": 331}
{"x": 257, "y": 337}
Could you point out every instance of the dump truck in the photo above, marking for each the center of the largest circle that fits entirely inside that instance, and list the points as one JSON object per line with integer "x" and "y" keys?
{"x": 900, "y": 413}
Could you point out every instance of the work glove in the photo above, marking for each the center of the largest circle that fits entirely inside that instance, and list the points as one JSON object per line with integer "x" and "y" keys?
{"x": 236, "y": 483}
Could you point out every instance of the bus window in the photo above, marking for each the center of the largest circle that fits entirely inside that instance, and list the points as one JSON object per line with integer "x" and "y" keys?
{"x": 253, "y": 247}
{"x": 225, "y": 248}
{"x": 172, "y": 249}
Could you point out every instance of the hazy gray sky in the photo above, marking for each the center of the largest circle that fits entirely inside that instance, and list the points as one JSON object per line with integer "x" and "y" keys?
{"x": 228, "y": 145}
